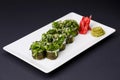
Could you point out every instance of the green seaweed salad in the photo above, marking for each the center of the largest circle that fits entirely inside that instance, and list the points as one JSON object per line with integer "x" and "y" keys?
{"x": 55, "y": 39}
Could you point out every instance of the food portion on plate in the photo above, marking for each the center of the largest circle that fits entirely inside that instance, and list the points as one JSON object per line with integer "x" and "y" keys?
{"x": 55, "y": 39}
{"x": 85, "y": 25}
{"x": 97, "y": 31}
{"x": 62, "y": 33}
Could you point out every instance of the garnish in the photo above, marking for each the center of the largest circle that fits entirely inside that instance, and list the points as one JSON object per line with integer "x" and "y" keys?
{"x": 85, "y": 25}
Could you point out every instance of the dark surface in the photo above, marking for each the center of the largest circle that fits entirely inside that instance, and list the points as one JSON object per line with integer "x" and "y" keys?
{"x": 100, "y": 62}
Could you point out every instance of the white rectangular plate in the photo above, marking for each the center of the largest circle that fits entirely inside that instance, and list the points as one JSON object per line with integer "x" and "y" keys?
{"x": 20, "y": 48}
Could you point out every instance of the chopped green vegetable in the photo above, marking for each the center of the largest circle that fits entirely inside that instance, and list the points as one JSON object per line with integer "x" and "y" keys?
{"x": 55, "y": 39}
{"x": 38, "y": 50}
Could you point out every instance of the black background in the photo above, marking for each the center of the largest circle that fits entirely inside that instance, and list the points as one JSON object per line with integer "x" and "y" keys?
{"x": 19, "y": 18}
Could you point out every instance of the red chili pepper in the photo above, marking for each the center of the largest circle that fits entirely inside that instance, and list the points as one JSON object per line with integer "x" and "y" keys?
{"x": 85, "y": 25}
